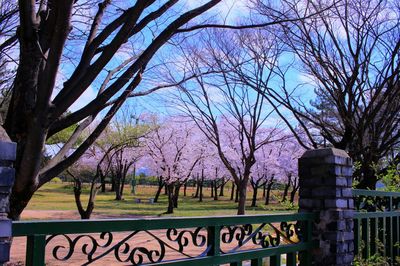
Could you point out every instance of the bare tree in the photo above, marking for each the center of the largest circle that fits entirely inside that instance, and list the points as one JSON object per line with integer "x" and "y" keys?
{"x": 350, "y": 55}
{"x": 229, "y": 114}
{"x": 39, "y": 103}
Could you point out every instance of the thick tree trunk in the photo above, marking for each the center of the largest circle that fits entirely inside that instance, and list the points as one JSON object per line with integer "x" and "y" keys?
{"x": 215, "y": 191}
{"x": 268, "y": 195}
{"x": 122, "y": 185}
{"x": 367, "y": 175}
{"x": 242, "y": 188}
{"x": 176, "y": 195}
{"x": 196, "y": 195}
{"x": 293, "y": 194}
{"x": 103, "y": 183}
{"x": 170, "y": 191}
{"x": 264, "y": 189}
{"x": 221, "y": 190}
{"x": 212, "y": 188}
{"x": 117, "y": 188}
{"x": 160, "y": 187}
{"x": 232, "y": 190}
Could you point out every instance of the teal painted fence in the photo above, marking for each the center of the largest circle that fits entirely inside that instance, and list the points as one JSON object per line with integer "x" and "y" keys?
{"x": 282, "y": 238}
{"x": 377, "y": 224}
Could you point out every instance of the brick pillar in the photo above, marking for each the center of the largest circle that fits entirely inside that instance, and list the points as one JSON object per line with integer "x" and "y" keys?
{"x": 7, "y": 157}
{"x": 326, "y": 188}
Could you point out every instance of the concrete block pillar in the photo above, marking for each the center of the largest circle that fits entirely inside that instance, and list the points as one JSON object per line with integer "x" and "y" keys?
{"x": 325, "y": 177}
{"x": 7, "y": 173}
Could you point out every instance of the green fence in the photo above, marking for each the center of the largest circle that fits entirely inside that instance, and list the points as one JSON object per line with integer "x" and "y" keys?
{"x": 191, "y": 241}
{"x": 377, "y": 224}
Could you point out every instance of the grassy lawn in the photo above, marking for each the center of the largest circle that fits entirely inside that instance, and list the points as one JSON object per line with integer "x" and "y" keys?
{"x": 59, "y": 196}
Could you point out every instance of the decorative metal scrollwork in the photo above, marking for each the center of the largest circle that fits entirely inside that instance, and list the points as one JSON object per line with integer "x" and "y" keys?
{"x": 126, "y": 250}
{"x": 183, "y": 243}
{"x": 186, "y": 237}
{"x": 264, "y": 235}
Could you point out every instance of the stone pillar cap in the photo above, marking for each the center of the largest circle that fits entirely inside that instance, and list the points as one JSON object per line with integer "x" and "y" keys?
{"x": 325, "y": 152}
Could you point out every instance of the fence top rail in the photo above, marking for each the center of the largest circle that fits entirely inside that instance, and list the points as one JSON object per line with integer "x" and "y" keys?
{"x": 362, "y": 215}
{"x": 374, "y": 193}
{"x": 50, "y": 227}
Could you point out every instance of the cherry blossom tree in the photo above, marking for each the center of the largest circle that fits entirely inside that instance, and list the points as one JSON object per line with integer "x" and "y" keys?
{"x": 289, "y": 153}
{"x": 175, "y": 150}
{"x": 229, "y": 113}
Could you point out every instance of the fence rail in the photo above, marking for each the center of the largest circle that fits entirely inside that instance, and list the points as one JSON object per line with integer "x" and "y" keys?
{"x": 172, "y": 241}
{"x": 377, "y": 224}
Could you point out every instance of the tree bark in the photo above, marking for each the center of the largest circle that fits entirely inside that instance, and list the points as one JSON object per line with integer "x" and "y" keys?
{"x": 232, "y": 190}
{"x": 103, "y": 183}
{"x": 221, "y": 190}
{"x": 242, "y": 197}
{"x": 237, "y": 193}
{"x": 170, "y": 190}
{"x": 177, "y": 188}
{"x": 254, "y": 199}
{"x": 196, "y": 195}
{"x": 215, "y": 191}
{"x": 286, "y": 190}
{"x": 184, "y": 189}
{"x": 268, "y": 195}
{"x": 264, "y": 189}
{"x": 160, "y": 187}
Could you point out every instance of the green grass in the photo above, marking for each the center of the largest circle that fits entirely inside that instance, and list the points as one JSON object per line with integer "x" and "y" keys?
{"x": 57, "y": 196}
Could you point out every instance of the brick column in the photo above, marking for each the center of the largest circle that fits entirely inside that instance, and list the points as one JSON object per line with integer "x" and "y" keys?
{"x": 7, "y": 157}
{"x": 326, "y": 188}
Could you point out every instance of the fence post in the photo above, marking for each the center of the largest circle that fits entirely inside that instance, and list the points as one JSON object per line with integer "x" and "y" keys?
{"x": 325, "y": 177}
{"x": 7, "y": 157}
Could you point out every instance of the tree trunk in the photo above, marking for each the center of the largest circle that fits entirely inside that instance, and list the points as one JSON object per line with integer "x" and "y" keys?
{"x": 292, "y": 195}
{"x": 176, "y": 194}
{"x": 237, "y": 193}
{"x": 212, "y": 188}
{"x": 367, "y": 175}
{"x": 264, "y": 189}
{"x": 294, "y": 190}
{"x": 85, "y": 214}
{"x": 254, "y": 199}
{"x": 118, "y": 195}
{"x": 103, "y": 183}
{"x": 268, "y": 195}
{"x": 122, "y": 186}
{"x": 197, "y": 189}
{"x": 184, "y": 189}
{"x": 215, "y": 191}
{"x": 233, "y": 190}
{"x": 170, "y": 191}
{"x": 286, "y": 190}
{"x": 201, "y": 190}
{"x": 242, "y": 188}
{"x": 160, "y": 187}
{"x": 221, "y": 190}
